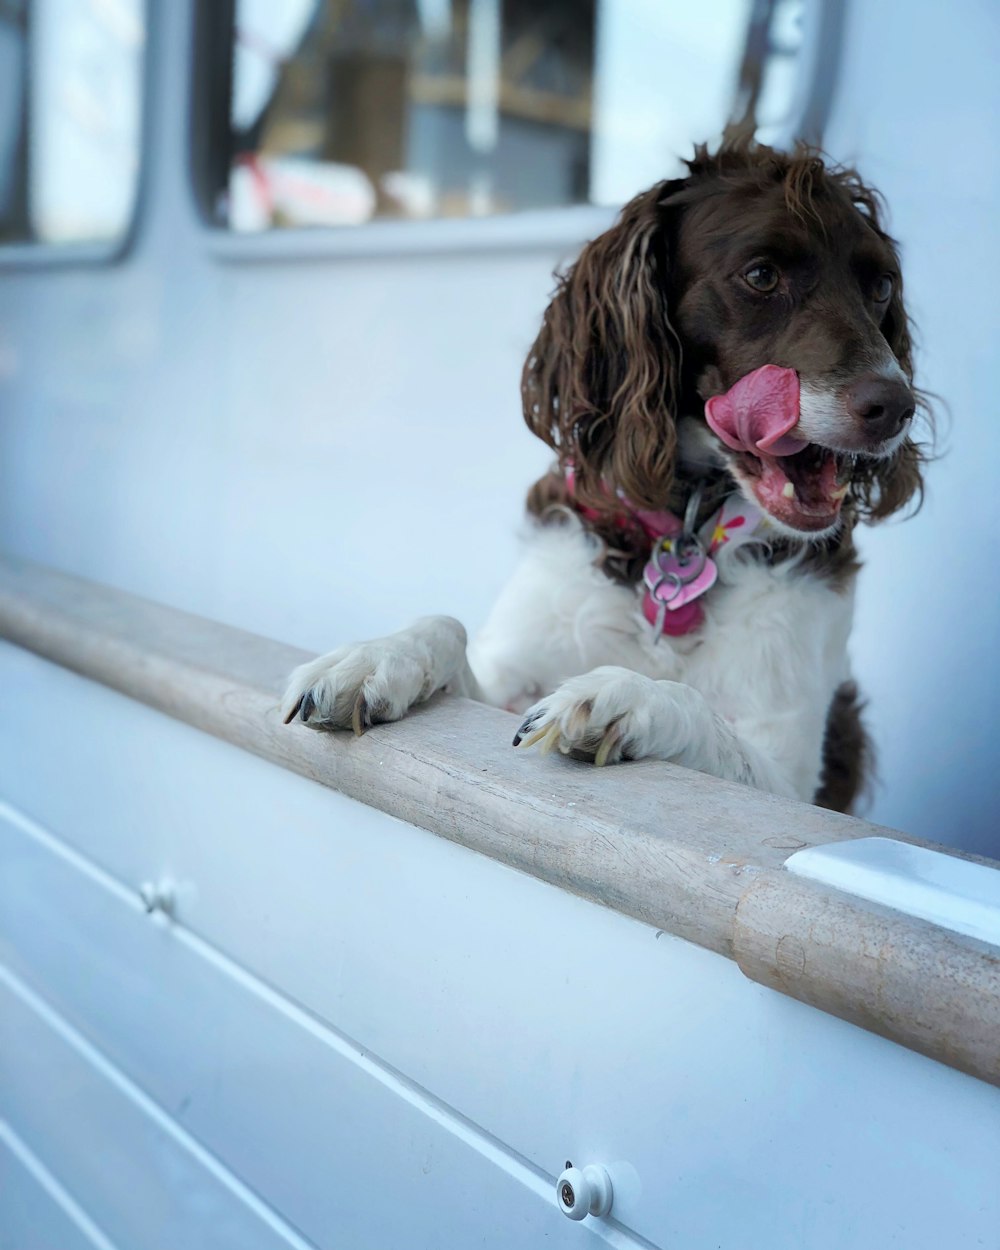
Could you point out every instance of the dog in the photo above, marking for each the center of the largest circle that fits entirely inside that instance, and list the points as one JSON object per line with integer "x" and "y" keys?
{"x": 726, "y": 379}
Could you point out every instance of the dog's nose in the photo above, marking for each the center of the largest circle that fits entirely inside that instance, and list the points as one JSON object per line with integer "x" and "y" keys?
{"x": 883, "y": 404}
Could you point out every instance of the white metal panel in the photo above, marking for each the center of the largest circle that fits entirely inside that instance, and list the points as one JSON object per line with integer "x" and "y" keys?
{"x": 347, "y": 1151}
{"x": 36, "y": 1212}
{"x": 144, "y": 1183}
{"x": 558, "y": 1027}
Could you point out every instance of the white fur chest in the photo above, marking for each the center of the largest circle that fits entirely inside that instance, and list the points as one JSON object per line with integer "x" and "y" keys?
{"x": 767, "y": 659}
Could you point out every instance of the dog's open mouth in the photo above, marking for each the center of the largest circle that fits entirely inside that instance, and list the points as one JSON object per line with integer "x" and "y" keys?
{"x": 803, "y": 491}
{"x": 800, "y": 484}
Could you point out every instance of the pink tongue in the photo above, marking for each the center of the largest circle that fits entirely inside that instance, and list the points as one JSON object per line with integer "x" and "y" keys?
{"x": 757, "y": 413}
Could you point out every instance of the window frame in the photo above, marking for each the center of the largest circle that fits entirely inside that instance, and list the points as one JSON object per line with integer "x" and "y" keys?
{"x": 541, "y": 229}
{"x": 34, "y": 254}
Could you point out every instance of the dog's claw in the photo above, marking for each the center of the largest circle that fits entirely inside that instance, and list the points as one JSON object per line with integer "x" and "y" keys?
{"x": 294, "y": 712}
{"x": 608, "y": 744}
{"x": 307, "y": 705}
{"x": 537, "y": 736}
{"x": 360, "y": 719}
{"x": 526, "y": 726}
{"x": 575, "y": 737}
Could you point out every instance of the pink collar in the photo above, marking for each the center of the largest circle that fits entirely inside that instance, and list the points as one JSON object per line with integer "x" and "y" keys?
{"x": 680, "y": 568}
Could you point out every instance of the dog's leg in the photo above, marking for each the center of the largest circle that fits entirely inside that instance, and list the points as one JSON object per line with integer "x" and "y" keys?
{"x": 612, "y": 714}
{"x": 363, "y": 683}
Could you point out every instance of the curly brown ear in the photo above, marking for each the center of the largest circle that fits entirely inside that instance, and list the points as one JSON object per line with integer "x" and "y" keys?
{"x": 888, "y": 485}
{"x": 601, "y": 381}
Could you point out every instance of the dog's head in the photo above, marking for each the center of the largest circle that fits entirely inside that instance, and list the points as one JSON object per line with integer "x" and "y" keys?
{"x": 756, "y": 258}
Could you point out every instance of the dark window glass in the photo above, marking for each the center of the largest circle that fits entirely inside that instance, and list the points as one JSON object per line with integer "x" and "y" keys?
{"x": 70, "y": 105}
{"x": 341, "y": 111}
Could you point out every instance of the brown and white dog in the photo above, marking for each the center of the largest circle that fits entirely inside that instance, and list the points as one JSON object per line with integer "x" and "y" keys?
{"x": 756, "y": 258}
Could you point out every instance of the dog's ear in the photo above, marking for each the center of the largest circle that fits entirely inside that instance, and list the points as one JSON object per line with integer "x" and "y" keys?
{"x": 895, "y": 482}
{"x": 885, "y": 486}
{"x": 601, "y": 381}
{"x": 888, "y": 485}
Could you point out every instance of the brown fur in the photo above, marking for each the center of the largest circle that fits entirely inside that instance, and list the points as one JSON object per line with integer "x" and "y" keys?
{"x": 848, "y": 753}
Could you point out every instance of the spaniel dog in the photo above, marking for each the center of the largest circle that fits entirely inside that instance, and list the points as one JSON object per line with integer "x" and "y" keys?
{"x": 726, "y": 378}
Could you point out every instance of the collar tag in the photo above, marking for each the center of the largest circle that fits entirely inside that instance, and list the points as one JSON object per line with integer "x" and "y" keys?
{"x": 680, "y": 568}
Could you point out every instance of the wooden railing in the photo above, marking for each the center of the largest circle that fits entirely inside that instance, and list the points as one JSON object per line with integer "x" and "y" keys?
{"x": 688, "y": 854}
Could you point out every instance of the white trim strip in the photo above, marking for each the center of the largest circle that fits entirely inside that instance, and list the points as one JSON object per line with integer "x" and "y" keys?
{"x": 957, "y": 894}
{"x": 101, "y": 1064}
{"x": 59, "y": 1195}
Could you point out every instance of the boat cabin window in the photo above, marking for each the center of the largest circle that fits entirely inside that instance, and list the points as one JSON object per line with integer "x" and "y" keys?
{"x": 342, "y": 111}
{"x": 70, "y": 114}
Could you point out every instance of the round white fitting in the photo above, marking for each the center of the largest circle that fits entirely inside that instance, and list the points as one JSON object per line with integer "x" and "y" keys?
{"x": 584, "y": 1191}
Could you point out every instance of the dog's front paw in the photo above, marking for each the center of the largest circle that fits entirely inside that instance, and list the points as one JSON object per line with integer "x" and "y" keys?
{"x": 366, "y": 683}
{"x": 354, "y": 687}
{"x": 607, "y": 715}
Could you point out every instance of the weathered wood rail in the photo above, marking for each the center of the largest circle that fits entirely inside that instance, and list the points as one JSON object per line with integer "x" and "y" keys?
{"x": 694, "y": 856}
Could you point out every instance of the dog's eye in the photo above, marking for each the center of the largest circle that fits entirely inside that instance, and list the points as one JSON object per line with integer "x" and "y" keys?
{"x": 762, "y": 278}
{"x": 882, "y": 288}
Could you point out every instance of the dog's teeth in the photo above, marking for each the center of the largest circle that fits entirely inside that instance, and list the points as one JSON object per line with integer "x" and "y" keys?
{"x": 788, "y": 490}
